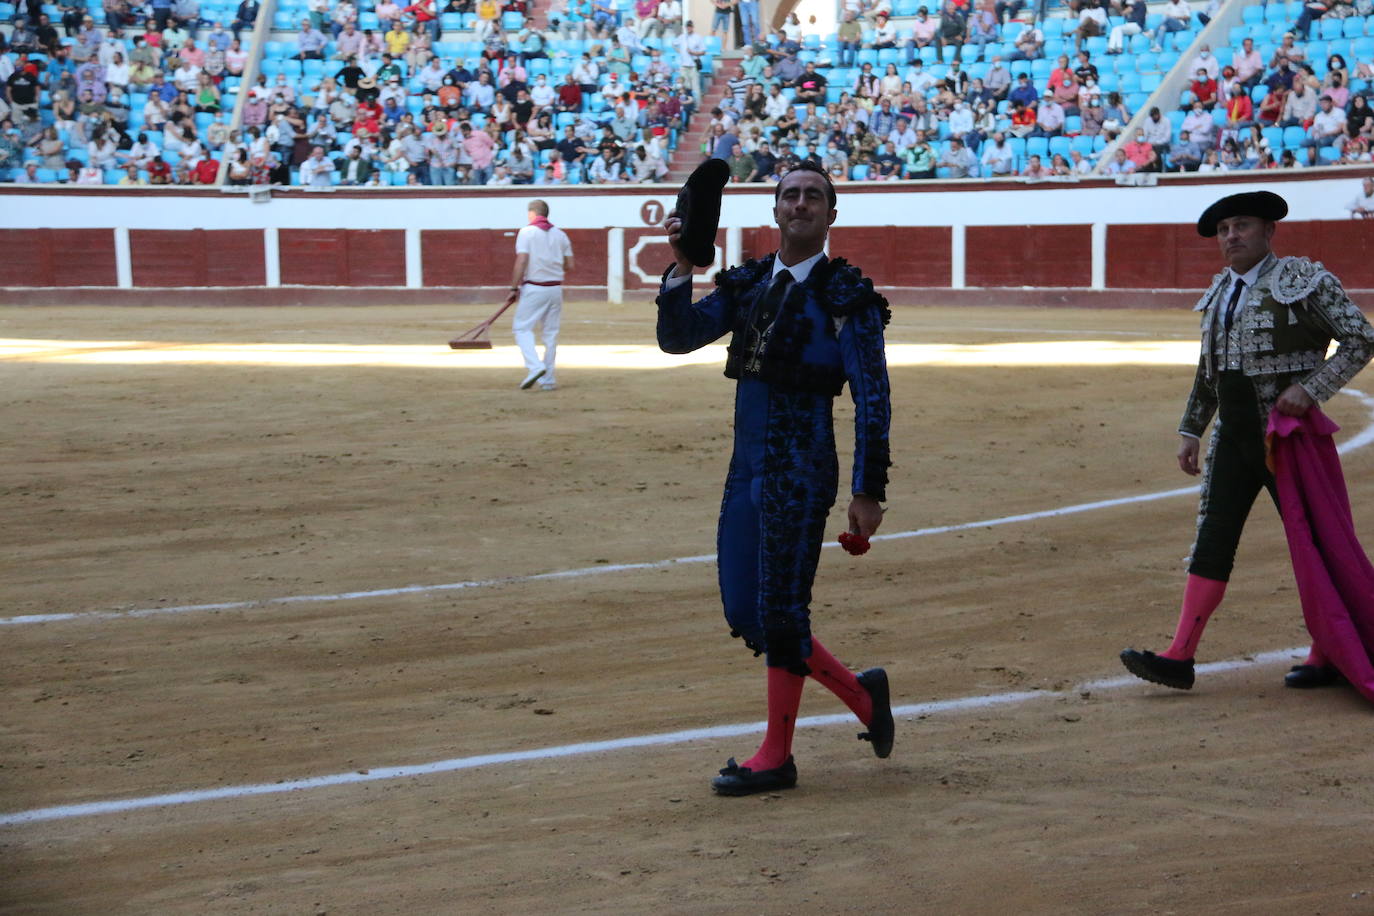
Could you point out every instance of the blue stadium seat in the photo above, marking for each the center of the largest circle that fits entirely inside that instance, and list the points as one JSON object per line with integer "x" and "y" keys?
{"x": 1252, "y": 14}
{"x": 1331, "y": 28}
{"x": 858, "y": 173}
{"x": 1355, "y": 26}
{"x": 1293, "y": 137}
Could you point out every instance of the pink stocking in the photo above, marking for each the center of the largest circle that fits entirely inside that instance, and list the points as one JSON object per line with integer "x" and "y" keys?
{"x": 1200, "y": 598}
{"x": 839, "y": 680}
{"x": 784, "y": 699}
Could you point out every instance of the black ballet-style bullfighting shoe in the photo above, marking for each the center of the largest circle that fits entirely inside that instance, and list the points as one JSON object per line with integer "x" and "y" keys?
{"x": 738, "y": 780}
{"x": 1167, "y": 671}
{"x": 1306, "y": 676}
{"x": 880, "y": 729}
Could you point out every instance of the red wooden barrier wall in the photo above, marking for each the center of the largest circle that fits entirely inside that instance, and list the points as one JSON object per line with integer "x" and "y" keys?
{"x": 1137, "y": 256}
{"x": 197, "y": 257}
{"x": 57, "y": 257}
{"x": 342, "y": 257}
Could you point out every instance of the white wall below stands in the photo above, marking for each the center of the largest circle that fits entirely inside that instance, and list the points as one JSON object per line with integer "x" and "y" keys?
{"x": 992, "y": 204}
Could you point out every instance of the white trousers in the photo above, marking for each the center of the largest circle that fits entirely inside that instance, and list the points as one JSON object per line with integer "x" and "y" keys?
{"x": 1116, "y": 42}
{"x": 538, "y": 305}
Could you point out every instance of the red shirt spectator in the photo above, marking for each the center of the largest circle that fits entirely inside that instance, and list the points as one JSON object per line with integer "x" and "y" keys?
{"x": 1240, "y": 108}
{"x": 423, "y": 11}
{"x": 1062, "y": 76}
{"x": 207, "y": 170}
{"x": 1138, "y": 150}
{"x": 1272, "y": 106}
{"x": 158, "y": 171}
{"x": 1205, "y": 91}
{"x": 369, "y": 116}
{"x": 570, "y": 96}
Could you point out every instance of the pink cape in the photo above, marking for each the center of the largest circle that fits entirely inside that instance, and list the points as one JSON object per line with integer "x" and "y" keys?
{"x": 1335, "y": 578}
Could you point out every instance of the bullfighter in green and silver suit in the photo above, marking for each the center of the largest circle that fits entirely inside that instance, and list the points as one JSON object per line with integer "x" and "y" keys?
{"x": 1267, "y": 322}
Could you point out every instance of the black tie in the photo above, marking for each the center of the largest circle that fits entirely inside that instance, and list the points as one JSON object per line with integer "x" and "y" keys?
{"x": 1231, "y": 306}
{"x": 765, "y": 313}
{"x": 777, "y": 291}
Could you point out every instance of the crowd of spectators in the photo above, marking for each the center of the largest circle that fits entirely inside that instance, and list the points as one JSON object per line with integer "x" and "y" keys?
{"x": 528, "y": 106}
{"x": 908, "y": 120}
{"x": 968, "y": 92}
{"x": 370, "y": 94}
{"x": 1279, "y": 107}
{"x": 142, "y": 100}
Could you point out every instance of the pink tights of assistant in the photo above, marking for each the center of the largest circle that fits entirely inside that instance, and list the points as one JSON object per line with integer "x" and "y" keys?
{"x": 784, "y": 700}
{"x": 1200, "y": 598}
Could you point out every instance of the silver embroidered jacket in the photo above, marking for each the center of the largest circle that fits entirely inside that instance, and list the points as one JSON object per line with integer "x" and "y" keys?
{"x": 1292, "y": 313}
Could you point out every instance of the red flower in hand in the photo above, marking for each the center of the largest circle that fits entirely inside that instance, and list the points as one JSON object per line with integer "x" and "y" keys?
{"x": 853, "y": 542}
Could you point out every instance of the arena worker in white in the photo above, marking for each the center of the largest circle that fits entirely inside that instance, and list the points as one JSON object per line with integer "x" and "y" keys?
{"x": 543, "y": 257}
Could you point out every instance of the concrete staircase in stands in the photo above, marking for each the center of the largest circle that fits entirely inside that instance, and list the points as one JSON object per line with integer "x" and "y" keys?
{"x": 688, "y": 155}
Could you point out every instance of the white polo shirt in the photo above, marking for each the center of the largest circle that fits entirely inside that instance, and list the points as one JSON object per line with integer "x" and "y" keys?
{"x": 547, "y": 249}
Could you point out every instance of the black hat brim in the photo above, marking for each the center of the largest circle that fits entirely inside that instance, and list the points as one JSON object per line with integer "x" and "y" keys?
{"x": 1261, "y": 204}
{"x": 698, "y": 206}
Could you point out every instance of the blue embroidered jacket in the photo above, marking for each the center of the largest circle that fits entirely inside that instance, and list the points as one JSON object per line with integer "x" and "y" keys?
{"x": 827, "y": 331}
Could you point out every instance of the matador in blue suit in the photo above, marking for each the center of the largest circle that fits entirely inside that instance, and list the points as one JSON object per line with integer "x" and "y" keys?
{"x": 801, "y": 326}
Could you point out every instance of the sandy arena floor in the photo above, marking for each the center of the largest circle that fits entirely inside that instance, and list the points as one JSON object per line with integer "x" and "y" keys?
{"x": 149, "y": 467}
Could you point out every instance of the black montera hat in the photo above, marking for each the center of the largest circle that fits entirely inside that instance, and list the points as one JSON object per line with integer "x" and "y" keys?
{"x": 1263, "y": 204}
{"x": 698, "y": 206}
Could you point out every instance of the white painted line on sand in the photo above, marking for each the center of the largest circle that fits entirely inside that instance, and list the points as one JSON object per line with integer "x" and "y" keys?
{"x": 913, "y": 710}
{"x": 1359, "y": 440}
